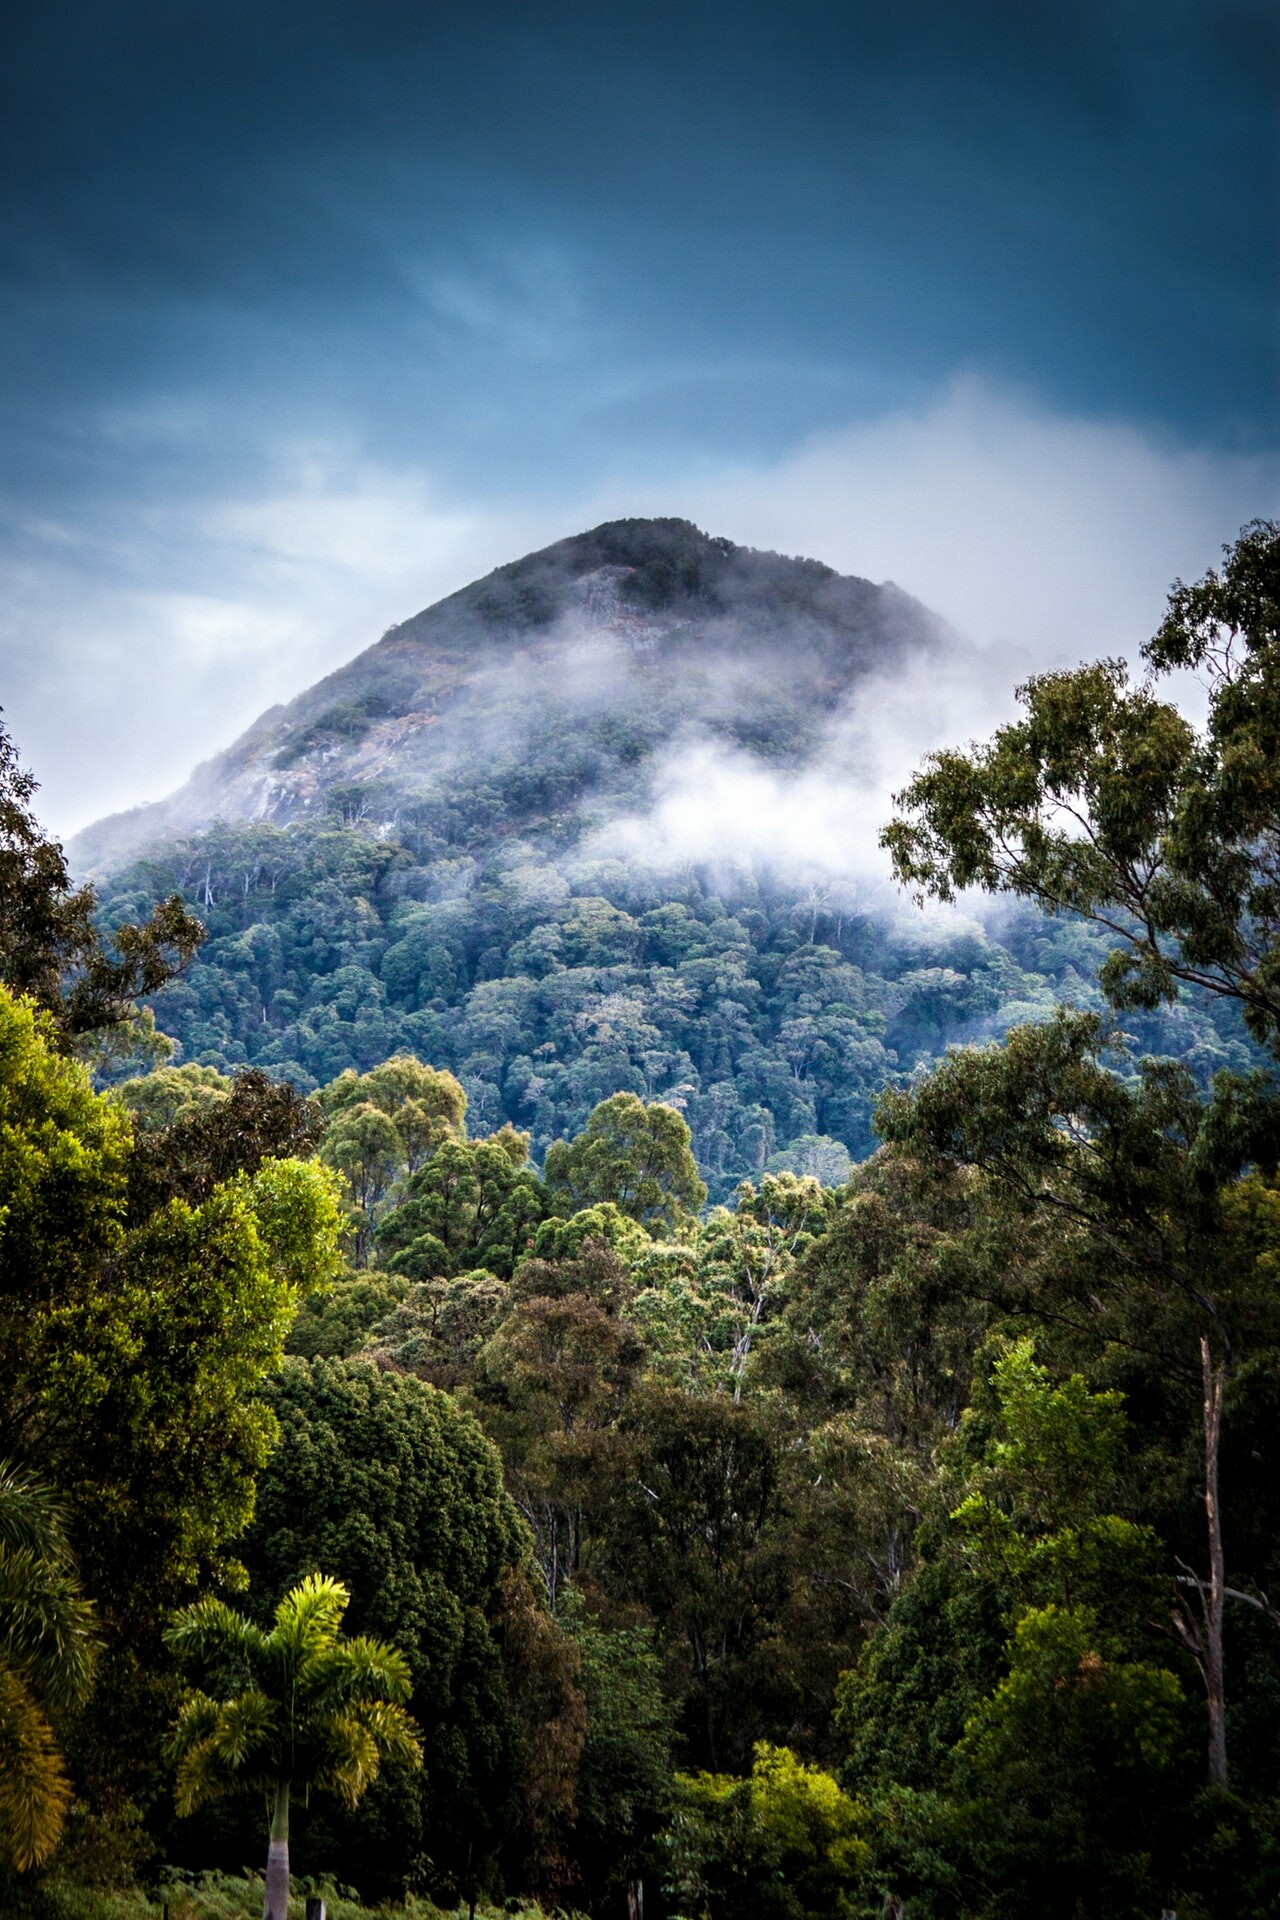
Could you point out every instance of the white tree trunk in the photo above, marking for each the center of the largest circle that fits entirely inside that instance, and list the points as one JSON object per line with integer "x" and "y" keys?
{"x": 1214, "y": 1679}
{"x": 275, "y": 1902}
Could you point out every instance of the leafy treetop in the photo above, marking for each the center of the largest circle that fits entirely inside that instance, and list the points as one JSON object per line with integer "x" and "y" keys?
{"x": 1104, "y": 801}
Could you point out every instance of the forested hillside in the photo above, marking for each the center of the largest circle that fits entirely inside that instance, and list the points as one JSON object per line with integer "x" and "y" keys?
{"x": 415, "y": 856}
{"x": 489, "y": 1518}
{"x": 771, "y": 1015}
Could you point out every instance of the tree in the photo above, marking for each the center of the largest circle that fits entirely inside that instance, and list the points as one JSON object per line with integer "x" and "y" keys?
{"x": 170, "y": 1093}
{"x": 638, "y": 1156}
{"x": 133, "y": 1349}
{"x": 48, "y": 1640}
{"x": 364, "y": 1144}
{"x": 50, "y": 947}
{"x": 701, "y": 1534}
{"x": 472, "y": 1204}
{"x": 381, "y": 1126}
{"x": 785, "y": 1843}
{"x": 1104, "y": 801}
{"x": 1134, "y": 1183}
{"x": 1013, "y": 1723}
{"x": 393, "y": 1486}
{"x": 555, "y": 1377}
{"x": 624, "y": 1781}
{"x": 214, "y": 1132}
{"x": 310, "y": 1710}
{"x": 746, "y": 1256}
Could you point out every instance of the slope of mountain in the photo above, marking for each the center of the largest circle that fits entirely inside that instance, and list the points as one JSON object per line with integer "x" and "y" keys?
{"x": 554, "y": 682}
{"x": 407, "y": 857}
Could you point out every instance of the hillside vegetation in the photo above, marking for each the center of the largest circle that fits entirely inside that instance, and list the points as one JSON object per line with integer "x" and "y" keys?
{"x": 511, "y": 1517}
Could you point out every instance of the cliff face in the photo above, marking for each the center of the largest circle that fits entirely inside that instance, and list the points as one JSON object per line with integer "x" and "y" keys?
{"x": 554, "y": 681}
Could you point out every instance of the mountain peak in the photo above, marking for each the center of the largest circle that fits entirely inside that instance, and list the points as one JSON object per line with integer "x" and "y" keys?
{"x": 590, "y": 658}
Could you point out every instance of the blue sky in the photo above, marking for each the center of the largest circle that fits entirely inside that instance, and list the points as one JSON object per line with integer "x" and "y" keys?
{"x": 311, "y": 312}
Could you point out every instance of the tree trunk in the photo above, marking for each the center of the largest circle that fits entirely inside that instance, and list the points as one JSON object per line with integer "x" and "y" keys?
{"x": 275, "y": 1902}
{"x": 635, "y": 1900}
{"x": 1213, "y": 1668}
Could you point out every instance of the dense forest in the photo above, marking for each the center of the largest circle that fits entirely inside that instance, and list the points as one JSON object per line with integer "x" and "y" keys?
{"x": 767, "y": 1012}
{"x": 586, "y": 1385}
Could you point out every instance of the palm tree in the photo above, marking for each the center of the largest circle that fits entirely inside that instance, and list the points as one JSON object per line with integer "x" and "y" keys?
{"x": 301, "y": 1708}
{"x": 47, "y": 1648}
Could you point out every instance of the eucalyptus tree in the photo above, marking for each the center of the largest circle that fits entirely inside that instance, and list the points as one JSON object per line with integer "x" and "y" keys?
{"x": 1103, "y": 800}
{"x": 50, "y": 946}
{"x": 302, "y": 1708}
{"x": 634, "y": 1153}
{"x": 1142, "y": 1232}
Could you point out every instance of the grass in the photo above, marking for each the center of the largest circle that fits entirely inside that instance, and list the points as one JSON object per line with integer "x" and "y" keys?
{"x": 220, "y": 1896}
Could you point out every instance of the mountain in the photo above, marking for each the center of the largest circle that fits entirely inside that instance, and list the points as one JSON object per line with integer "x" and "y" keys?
{"x": 454, "y": 847}
{"x": 556, "y": 683}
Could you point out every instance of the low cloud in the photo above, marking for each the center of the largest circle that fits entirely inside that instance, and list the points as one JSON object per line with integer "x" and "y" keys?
{"x": 146, "y": 637}
{"x": 721, "y": 808}
{"x": 1053, "y": 538}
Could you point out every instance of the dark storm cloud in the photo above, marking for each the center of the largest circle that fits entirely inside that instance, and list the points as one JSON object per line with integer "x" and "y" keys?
{"x": 370, "y": 206}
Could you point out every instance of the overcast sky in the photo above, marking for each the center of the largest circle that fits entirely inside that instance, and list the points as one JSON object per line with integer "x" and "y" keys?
{"x": 311, "y": 312}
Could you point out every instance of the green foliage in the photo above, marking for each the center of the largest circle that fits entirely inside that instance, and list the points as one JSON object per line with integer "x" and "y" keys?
{"x": 335, "y": 1324}
{"x": 1174, "y": 821}
{"x": 48, "y": 1641}
{"x": 136, "y": 1328}
{"x": 238, "y": 1896}
{"x": 211, "y": 1140}
{"x": 632, "y": 1155}
{"x": 772, "y": 1022}
{"x": 554, "y": 1378}
{"x": 298, "y": 1707}
{"x": 785, "y": 1843}
{"x": 473, "y": 1204}
{"x": 1069, "y": 1764}
{"x": 170, "y": 1093}
{"x": 625, "y": 1782}
{"x": 560, "y": 1239}
{"x": 381, "y": 1126}
{"x": 130, "y": 1353}
{"x": 1034, "y": 1515}
{"x": 393, "y": 1486}
{"x": 1041, "y": 1769}
{"x": 50, "y": 947}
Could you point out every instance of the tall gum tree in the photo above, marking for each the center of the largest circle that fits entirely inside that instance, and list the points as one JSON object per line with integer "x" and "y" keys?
{"x": 1104, "y": 801}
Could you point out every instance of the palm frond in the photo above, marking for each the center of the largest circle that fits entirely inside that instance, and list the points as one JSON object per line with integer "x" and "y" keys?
{"x": 350, "y": 1669}
{"x": 47, "y": 1628}
{"x": 321, "y": 1711}
{"x": 197, "y": 1718}
{"x": 311, "y": 1614}
{"x": 397, "y": 1733}
{"x": 352, "y": 1756}
{"x": 32, "y": 1516}
{"x": 211, "y": 1632}
{"x": 248, "y": 1725}
{"x": 223, "y": 1745}
{"x": 204, "y": 1775}
{"x": 34, "y": 1789}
